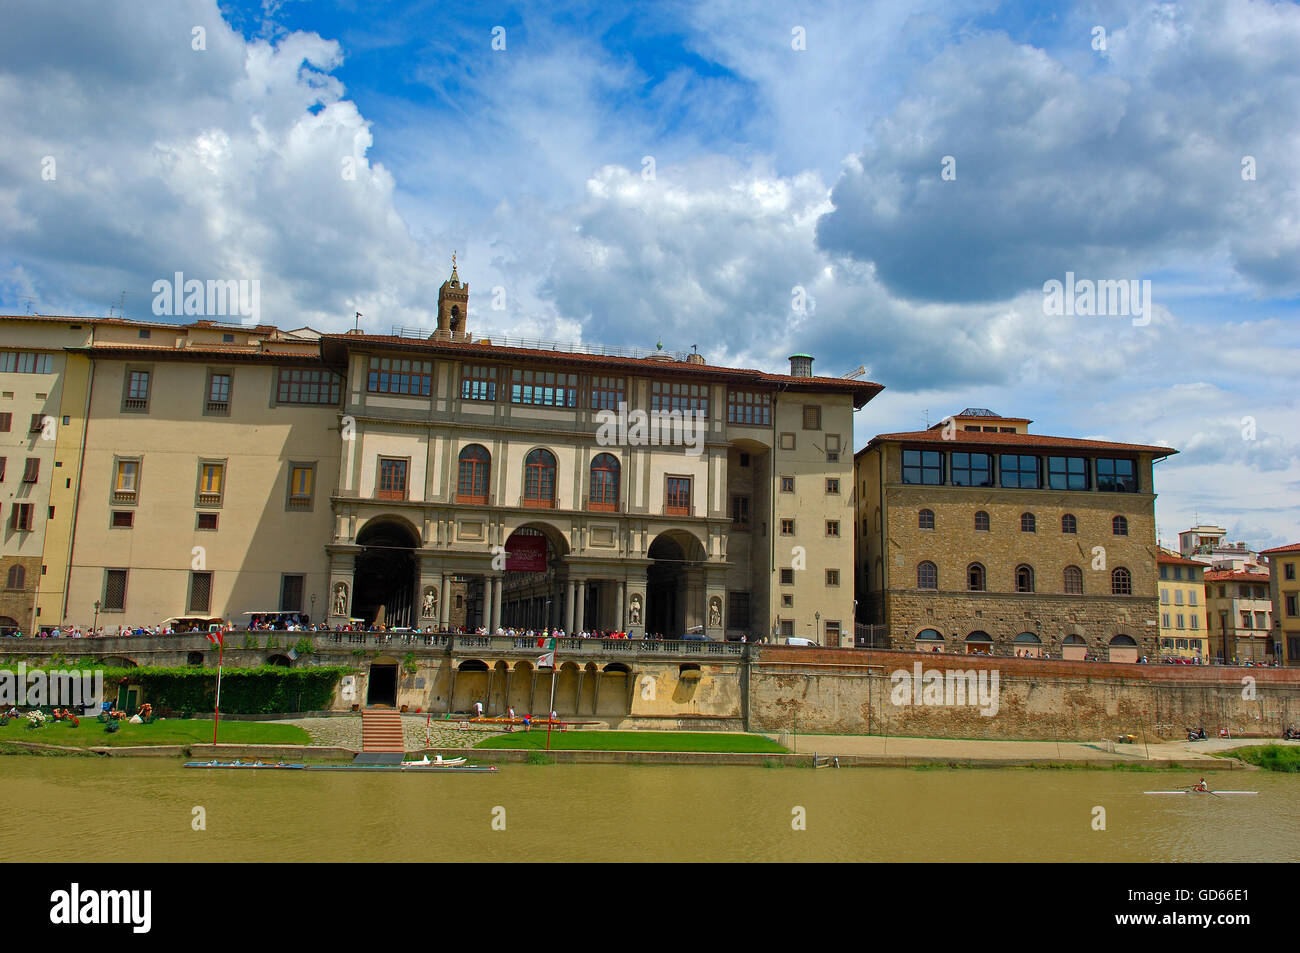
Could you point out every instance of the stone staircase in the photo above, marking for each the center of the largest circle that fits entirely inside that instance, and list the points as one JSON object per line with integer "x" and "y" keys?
{"x": 381, "y": 730}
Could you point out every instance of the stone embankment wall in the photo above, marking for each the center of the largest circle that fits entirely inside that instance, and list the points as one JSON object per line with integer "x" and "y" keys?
{"x": 852, "y": 692}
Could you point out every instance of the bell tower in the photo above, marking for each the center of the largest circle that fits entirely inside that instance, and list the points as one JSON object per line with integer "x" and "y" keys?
{"x": 453, "y": 307}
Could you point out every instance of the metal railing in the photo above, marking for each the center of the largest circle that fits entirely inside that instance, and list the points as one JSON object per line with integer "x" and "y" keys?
{"x": 561, "y": 347}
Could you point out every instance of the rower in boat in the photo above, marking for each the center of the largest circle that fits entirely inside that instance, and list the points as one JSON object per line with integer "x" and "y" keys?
{"x": 1201, "y": 786}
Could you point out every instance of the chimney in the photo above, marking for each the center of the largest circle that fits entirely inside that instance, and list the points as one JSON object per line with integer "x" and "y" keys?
{"x": 801, "y": 365}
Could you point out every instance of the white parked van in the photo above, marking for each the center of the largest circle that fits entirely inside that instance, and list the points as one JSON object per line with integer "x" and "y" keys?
{"x": 794, "y": 640}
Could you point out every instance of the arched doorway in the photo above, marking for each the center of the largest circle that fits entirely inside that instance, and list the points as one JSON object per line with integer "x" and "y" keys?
{"x": 929, "y": 640}
{"x": 979, "y": 643}
{"x": 674, "y": 556}
{"x": 385, "y": 577}
{"x": 8, "y": 626}
{"x": 1123, "y": 648}
{"x": 533, "y": 586}
{"x": 1028, "y": 644}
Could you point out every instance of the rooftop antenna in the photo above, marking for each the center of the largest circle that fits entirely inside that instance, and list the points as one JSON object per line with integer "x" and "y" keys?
{"x": 927, "y": 419}
{"x": 356, "y": 324}
{"x": 121, "y": 306}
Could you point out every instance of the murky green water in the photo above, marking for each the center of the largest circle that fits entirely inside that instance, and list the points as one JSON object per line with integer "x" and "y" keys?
{"x": 81, "y": 809}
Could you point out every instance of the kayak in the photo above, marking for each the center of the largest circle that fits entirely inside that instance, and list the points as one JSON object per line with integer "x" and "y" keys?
{"x": 1200, "y": 792}
{"x": 279, "y": 765}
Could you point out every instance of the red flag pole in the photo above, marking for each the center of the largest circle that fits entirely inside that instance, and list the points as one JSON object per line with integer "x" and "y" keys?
{"x": 550, "y": 712}
{"x": 216, "y": 715}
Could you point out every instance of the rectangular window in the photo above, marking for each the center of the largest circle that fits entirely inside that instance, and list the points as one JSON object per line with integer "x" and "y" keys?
{"x": 690, "y": 399}
{"x": 212, "y": 478}
{"x": 1261, "y": 620}
{"x": 145, "y": 333}
{"x": 543, "y": 388}
{"x": 206, "y": 521}
{"x": 32, "y": 471}
{"x": 123, "y": 519}
{"x": 200, "y": 592}
{"x": 1116, "y": 476}
{"x": 135, "y": 399}
{"x": 832, "y": 448}
{"x": 832, "y": 527}
{"x": 787, "y": 527}
{"x": 6, "y": 422}
{"x": 679, "y": 496}
{"x": 832, "y": 485}
{"x": 2, "y": 468}
{"x": 1288, "y": 571}
{"x": 1019, "y": 471}
{"x": 301, "y": 385}
{"x": 1291, "y": 607}
{"x": 738, "y": 610}
{"x": 126, "y": 481}
{"x": 1164, "y": 572}
{"x": 391, "y": 375}
{"x": 1181, "y": 620}
{"x": 1178, "y": 597}
{"x": 1164, "y": 597}
{"x": 787, "y": 628}
{"x": 21, "y": 516}
{"x": 1164, "y": 619}
{"x": 392, "y": 479}
{"x": 607, "y": 393}
{"x": 291, "y": 587}
{"x": 1067, "y": 473}
{"x": 787, "y": 484}
{"x": 972, "y": 469}
{"x": 1246, "y": 619}
{"x": 787, "y": 577}
{"x": 1196, "y": 621}
{"x": 302, "y": 483}
{"x": 478, "y": 382}
{"x": 787, "y": 441}
{"x": 812, "y": 417}
{"x": 740, "y": 511}
{"x": 923, "y": 466}
{"x": 749, "y": 407}
{"x": 218, "y": 399}
{"x": 25, "y": 362}
{"x": 832, "y": 577}
{"x": 114, "y": 590}
{"x": 37, "y": 424}
{"x": 787, "y": 600}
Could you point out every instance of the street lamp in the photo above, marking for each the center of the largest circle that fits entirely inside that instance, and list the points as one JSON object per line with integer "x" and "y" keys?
{"x": 313, "y": 607}
{"x": 95, "y": 627}
{"x": 817, "y": 627}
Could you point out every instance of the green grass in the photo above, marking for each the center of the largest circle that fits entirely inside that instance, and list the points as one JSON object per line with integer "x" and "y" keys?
{"x": 92, "y": 733}
{"x": 633, "y": 741}
{"x": 1283, "y": 758}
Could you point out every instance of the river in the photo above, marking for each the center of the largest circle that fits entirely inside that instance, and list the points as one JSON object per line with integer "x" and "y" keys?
{"x": 129, "y": 809}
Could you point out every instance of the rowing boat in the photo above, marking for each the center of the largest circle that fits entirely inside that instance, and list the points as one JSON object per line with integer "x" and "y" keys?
{"x": 1200, "y": 792}
{"x": 277, "y": 766}
{"x": 438, "y": 762}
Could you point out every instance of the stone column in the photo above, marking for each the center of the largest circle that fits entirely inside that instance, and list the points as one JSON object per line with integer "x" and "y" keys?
{"x": 568, "y": 606}
{"x": 619, "y": 623}
{"x": 579, "y": 621}
{"x": 444, "y": 610}
{"x": 497, "y": 586}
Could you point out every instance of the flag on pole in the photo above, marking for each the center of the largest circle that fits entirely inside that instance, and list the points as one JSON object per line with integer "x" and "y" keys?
{"x": 215, "y": 638}
{"x": 547, "y": 660}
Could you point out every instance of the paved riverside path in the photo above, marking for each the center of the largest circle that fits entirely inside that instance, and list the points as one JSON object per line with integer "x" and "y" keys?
{"x": 344, "y": 731}
{"x": 955, "y": 749}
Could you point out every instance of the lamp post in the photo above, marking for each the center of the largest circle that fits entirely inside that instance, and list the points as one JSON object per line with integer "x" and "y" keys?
{"x": 817, "y": 627}
{"x": 95, "y": 627}
{"x": 313, "y": 607}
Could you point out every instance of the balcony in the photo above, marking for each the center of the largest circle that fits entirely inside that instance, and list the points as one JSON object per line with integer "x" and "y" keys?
{"x": 135, "y": 403}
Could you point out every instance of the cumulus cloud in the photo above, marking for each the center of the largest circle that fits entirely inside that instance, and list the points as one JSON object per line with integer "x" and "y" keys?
{"x": 1107, "y": 168}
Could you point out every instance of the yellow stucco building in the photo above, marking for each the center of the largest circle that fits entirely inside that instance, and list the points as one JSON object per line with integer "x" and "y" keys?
{"x": 1184, "y": 631}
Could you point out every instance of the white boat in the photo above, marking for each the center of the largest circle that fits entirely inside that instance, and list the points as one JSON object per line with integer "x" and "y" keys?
{"x": 438, "y": 762}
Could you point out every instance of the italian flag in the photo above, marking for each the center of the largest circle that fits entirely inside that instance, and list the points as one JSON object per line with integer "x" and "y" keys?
{"x": 215, "y": 638}
{"x": 547, "y": 660}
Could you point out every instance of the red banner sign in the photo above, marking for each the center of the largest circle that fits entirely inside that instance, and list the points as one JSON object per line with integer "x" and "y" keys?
{"x": 526, "y": 554}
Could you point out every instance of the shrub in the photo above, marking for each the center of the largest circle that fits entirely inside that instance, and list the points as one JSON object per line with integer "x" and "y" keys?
{"x": 267, "y": 689}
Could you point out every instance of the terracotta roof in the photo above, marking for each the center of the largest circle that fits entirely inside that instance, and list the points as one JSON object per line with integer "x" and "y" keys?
{"x": 1277, "y": 550}
{"x": 862, "y": 391}
{"x": 1166, "y": 558}
{"x": 1229, "y": 575}
{"x": 204, "y": 323}
{"x": 1013, "y": 441}
{"x": 225, "y": 352}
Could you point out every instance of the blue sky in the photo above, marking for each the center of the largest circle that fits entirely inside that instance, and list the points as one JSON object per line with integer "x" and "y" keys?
{"x": 628, "y": 173}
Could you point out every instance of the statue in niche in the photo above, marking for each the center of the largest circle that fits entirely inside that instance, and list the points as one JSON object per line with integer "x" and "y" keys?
{"x": 430, "y": 609}
{"x": 341, "y": 599}
{"x": 715, "y": 612}
{"x": 634, "y": 609}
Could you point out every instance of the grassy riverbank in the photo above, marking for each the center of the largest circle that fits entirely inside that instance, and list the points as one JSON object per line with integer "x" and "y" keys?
{"x": 1282, "y": 758}
{"x": 92, "y": 733}
{"x": 634, "y": 741}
